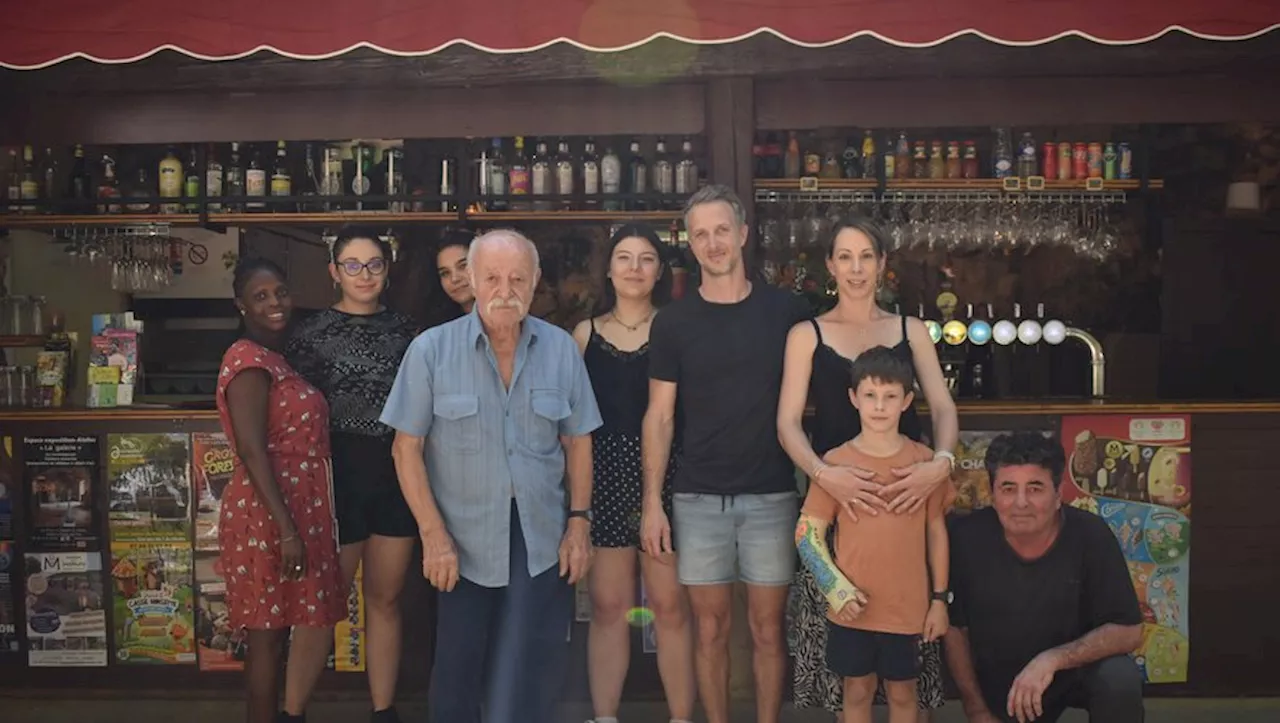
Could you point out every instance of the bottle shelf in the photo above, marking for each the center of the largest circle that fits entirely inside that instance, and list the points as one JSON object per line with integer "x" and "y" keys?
{"x": 327, "y": 218}
{"x": 971, "y": 184}
{"x": 26, "y": 341}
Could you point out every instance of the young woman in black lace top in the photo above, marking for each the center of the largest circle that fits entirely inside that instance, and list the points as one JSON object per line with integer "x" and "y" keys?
{"x": 615, "y": 344}
{"x": 351, "y": 353}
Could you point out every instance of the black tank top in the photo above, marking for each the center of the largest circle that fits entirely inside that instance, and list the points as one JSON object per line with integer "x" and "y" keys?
{"x": 835, "y": 421}
{"x": 620, "y": 380}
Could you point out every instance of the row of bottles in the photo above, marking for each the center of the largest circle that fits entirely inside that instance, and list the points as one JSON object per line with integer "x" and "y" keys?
{"x": 231, "y": 177}
{"x": 898, "y": 156}
{"x": 587, "y": 179}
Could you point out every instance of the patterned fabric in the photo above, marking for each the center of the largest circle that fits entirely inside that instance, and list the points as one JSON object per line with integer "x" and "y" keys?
{"x": 618, "y": 490}
{"x": 298, "y": 445}
{"x": 352, "y": 359}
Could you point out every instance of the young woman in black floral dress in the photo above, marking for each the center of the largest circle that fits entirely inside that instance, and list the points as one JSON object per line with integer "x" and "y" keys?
{"x": 351, "y": 353}
{"x": 615, "y": 346}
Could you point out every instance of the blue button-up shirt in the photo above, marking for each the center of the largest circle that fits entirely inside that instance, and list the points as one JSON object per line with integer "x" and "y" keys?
{"x": 485, "y": 443}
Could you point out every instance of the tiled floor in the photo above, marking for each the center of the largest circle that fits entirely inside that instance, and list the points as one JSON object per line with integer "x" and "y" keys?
{"x": 31, "y": 710}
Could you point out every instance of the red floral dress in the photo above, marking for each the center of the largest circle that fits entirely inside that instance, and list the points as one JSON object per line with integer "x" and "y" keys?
{"x": 258, "y": 597}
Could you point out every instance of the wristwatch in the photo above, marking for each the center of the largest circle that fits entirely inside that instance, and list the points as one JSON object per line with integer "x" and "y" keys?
{"x": 584, "y": 514}
{"x": 945, "y": 596}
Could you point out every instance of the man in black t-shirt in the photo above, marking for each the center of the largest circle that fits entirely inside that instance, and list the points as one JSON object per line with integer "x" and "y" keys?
{"x": 1045, "y": 613}
{"x": 736, "y": 503}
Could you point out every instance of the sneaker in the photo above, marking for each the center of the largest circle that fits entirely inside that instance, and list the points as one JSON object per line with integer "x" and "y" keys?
{"x": 386, "y": 715}
{"x": 283, "y": 717}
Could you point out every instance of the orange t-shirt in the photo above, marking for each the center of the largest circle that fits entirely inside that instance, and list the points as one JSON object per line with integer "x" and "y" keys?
{"x": 884, "y": 555}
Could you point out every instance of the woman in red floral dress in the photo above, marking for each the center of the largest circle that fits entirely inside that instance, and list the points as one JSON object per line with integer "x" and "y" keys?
{"x": 279, "y": 549}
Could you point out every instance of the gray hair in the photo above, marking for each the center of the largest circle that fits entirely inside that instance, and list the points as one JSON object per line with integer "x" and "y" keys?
{"x": 501, "y": 235}
{"x": 716, "y": 193}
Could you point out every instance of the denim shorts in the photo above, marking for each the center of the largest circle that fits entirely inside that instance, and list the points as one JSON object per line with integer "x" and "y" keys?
{"x": 724, "y": 538}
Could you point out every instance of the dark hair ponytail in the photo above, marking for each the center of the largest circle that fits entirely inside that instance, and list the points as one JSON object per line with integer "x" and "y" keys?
{"x": 351, "y": 233}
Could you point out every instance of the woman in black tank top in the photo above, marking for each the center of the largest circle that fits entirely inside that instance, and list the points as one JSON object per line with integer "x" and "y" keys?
{"x": 615, "y": 349}
{"x": 818, "y": 360}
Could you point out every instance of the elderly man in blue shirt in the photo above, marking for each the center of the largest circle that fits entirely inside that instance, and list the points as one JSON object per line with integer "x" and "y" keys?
{"x": 493, "y": 413}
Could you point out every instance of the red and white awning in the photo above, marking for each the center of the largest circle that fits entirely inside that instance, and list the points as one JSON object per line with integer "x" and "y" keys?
{"x": 45, "y": 32}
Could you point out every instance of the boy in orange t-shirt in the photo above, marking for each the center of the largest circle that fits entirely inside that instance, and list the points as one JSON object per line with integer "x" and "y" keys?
{"x": 882, "y": 599}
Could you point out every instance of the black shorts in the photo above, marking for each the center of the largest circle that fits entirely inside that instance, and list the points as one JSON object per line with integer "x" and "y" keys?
{"x": 366, "y": 491}
{"x": 853, "y": 653}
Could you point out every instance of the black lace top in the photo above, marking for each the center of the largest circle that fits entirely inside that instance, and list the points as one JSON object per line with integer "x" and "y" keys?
{"x": 835, "y": 420}
{"x": 352, "y": 359}
{"x": 620, "y": 380}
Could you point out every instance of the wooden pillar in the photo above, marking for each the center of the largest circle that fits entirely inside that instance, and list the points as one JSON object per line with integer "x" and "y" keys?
{"x": 730, "y": 133}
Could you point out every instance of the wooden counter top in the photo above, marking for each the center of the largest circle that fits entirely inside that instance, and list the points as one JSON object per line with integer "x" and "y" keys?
{"x": 967, "y": 408}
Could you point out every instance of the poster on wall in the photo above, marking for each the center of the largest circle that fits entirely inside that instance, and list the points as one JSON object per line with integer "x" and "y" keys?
{"x": 1135, "y": 472}
{"x": 973, "y": 484}
{"x": 150, "y": 488}
{"x": 6, "y": 488}
{"x": 9, "y": 569}
{"x": 60, "y": 478}
{"x": 218, "y": 645}
{"x": 153, "y": 605}
{"x": 66, "y": 617}
{"x": 212, "y": 465}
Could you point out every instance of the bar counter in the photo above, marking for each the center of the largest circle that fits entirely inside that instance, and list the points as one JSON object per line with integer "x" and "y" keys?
{"x": 1233, "y": 584}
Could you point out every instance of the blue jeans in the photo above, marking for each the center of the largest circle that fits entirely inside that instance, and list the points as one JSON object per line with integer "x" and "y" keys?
{"x": 723, "y": 538}
{"x": 503, "y": 647}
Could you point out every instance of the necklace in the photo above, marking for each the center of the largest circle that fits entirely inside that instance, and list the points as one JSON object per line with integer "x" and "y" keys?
{"x": 631, "y": 327}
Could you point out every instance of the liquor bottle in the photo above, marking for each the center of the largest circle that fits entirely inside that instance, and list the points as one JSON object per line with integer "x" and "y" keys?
{"x": 1002, "y": 154}
{"x": 611, "y": 179}
{"x": 868, "y": 155}
{"x": 541, "y": 179}
{"x": 142, "y": 187}
{"x": 1027, "y": 165}
{"x": 637, "y": 177}
{"x": 518, "y": 181}
{"x": 191, "y": 183}
{"x": 255, "y": 181}
{"x": 281, "y": 181}
{"x": 902, "y": 156}
{"x": 49, "y": 181}
{"x": 30, "y": 187}
{"x": 564, "y": 175}
{"x": 849, "y": 166}
{"x": 812, "y": 159}
{"x": 497, "y": 172}
{"x": 110, "y": 186}
{"x": 213, "y": 177}
{"x": 170, "y": 178}
{"x": 14, "y": 193}
{"x": 687, "y": 170}
{"x": 663, "y": 173}
{"x": 791, "y": 161}
{"x": 234, "y": 175}
{"x": 394, "y": 180}
{"x": 591, "y": 174}
{"x": 79, "y": 182}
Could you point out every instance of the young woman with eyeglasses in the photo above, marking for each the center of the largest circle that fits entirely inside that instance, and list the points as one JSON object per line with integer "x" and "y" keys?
{"x": 351, "y": 353}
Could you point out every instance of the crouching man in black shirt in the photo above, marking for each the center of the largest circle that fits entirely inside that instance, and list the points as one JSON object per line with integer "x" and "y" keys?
{"x": 1044, "y": 614}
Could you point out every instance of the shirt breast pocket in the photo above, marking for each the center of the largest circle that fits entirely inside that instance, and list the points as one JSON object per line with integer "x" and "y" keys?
{"x": 548, "y": 408}
{"x": 457, "y": 421}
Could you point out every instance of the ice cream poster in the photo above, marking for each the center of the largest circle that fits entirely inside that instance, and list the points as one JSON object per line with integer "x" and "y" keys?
{"x": 154, "y": 605}
{"x": 1135, "y": 472}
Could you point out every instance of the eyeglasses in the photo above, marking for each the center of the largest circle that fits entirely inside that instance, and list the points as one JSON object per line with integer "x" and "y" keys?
{"x": 376, "y": 267}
